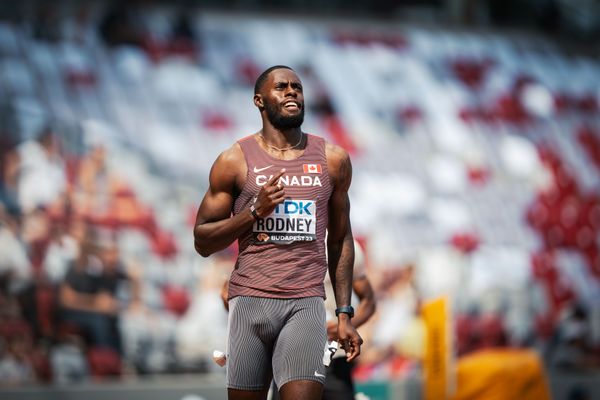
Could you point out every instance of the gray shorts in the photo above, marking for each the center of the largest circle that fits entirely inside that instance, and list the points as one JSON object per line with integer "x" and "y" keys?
{"x": 282, "y": 337}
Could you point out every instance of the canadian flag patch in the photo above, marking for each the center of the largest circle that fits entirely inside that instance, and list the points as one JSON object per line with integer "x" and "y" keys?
{"x": 312, "y": 168}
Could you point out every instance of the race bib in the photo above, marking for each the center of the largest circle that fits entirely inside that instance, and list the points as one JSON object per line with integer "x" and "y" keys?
{"x": 291, "y": 221}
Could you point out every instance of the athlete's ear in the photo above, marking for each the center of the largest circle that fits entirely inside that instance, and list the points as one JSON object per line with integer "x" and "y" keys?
{"x": 258, "y": 102}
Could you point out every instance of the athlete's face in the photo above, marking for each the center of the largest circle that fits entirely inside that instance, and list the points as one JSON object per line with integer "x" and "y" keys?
{"x": 283, "y": 99}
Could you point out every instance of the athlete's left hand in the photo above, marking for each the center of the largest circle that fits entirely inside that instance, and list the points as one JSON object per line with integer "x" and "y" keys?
{"x": 349, "y": 338}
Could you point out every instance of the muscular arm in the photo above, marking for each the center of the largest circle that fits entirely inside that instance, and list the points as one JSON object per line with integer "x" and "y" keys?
{"x": 215, "y": 227}
{"x": 365, "y": 309}
{"x": 340, "y": 245}
{"x": 366, "y": 306}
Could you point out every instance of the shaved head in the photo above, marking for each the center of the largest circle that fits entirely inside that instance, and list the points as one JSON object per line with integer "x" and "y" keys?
{"x": 263, "y": 77}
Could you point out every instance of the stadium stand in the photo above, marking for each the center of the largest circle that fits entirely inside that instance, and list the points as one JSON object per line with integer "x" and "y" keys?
{"x": 476, "y": 174}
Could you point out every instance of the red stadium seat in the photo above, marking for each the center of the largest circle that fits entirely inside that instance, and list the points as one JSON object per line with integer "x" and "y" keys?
{"x": 104, "y": 362}
{"x": 176, "y": 300}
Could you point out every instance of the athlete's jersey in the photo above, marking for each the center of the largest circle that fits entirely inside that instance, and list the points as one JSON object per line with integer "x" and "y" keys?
{"x": 283, "y": 254}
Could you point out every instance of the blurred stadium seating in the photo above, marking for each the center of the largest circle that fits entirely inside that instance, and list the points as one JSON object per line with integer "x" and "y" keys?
{"x": 476, "y": 174}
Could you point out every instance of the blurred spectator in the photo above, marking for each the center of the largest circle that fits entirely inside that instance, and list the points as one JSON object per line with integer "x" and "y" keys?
{"x": 88, "y": 293}
{"x": 182, "y": 41}
{"x": 92, "y": 181}
{"x": 148, "y": 332}
{"x": 15, "y": 367}
{"x": 46, "y": 24}
{"x": 67, "y": 357}
{"x": 579, "y": 393}
{"x": 397, "y": 295}
{"x": 9, "y": 165}
{"x": 101, "y": 193}
{"x": 20, "y": 245}
{"x": 207, "y": 305}
{"x": 394, "y": 341}
{"x": 182, "y": 28}
{"x": 35, "y": 232}
{"x": 41, "y": 172}
{"x": 75, "y": 29}
{"x": 63, "y": 248}
{"x": 321, "y": 106}
{"x": 9, "y": 307}
{"x": 120, "y": 25}
{"x": 15, "y": 343}
{"x": 15, "y": 270}
{"x": 570, "y": 348}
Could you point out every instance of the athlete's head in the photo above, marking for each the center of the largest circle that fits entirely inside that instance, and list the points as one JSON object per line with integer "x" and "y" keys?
{"x": 278, "y": 92}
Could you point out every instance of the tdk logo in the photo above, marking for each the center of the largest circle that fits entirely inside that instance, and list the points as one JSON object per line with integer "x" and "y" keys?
{"x": 290, "y": 207}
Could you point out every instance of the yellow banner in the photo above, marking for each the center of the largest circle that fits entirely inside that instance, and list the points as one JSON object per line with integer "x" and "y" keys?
{"x": 437, "y": 365}
{"x": 501, "y": 374}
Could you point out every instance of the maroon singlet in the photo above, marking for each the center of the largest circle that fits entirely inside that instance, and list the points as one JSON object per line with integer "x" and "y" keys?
{"x": 283, "y": 255}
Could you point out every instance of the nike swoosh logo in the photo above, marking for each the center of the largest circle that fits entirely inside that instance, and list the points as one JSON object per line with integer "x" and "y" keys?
{"x": 319, "y": 375}
{"x": 257, "y": 170}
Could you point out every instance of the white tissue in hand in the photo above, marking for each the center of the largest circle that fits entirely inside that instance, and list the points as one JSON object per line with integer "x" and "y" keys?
{"x": 219, "y": 357}
{"x": 330, "y": 349}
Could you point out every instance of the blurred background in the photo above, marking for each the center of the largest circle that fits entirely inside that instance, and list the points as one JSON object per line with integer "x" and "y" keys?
{"x": 474, "y": 130}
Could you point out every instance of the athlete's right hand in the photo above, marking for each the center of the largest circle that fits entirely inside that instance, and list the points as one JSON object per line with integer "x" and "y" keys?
{"x": 270, "y": 195}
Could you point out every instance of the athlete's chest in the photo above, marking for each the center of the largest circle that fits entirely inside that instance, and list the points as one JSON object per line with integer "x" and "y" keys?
{"x": 298, "y": 217}
{"x": 299, "y": 176}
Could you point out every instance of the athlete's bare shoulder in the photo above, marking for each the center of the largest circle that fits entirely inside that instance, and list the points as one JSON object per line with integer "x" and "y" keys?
{"x": 338, "y": 164}
{"x": 232, "y": 156}
{"x": 229, "y": 169}
{"x": 334, "y": 151}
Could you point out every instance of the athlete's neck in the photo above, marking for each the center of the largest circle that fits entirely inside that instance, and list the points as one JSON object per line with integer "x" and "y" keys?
{"x": 281, "y": 140}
